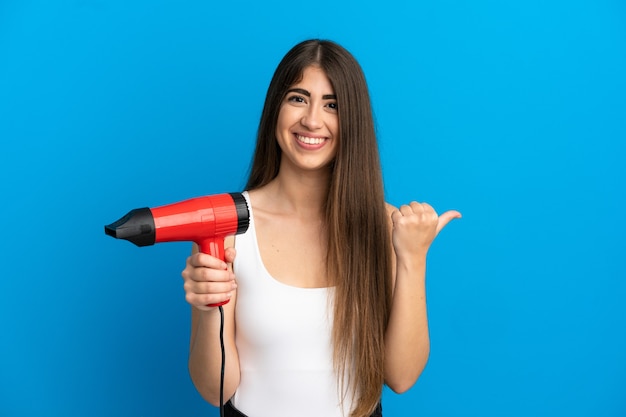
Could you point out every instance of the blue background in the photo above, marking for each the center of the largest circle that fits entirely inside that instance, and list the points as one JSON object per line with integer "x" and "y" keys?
{"x": 513, "y": 112}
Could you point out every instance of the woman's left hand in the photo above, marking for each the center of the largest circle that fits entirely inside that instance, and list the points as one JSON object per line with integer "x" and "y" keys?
{"x": 416, "y": 225}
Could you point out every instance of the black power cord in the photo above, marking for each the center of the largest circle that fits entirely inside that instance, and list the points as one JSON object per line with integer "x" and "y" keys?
{"x": 223, "y": 361}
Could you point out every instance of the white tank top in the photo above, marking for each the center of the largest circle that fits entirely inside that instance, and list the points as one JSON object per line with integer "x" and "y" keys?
{"x": 283, "y": 337}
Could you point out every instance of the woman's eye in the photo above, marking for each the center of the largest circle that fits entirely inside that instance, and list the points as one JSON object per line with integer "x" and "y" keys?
{"x": 332, "y": 106}
{"x": 296, "y": 99}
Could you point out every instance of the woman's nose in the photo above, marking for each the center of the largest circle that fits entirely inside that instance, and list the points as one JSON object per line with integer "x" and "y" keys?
{"x": 312, "y": 118}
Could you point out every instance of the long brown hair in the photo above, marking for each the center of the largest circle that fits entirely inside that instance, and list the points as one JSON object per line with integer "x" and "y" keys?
{"x": 359, "y": 245}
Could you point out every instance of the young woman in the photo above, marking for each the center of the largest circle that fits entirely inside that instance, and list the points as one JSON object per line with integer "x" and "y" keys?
{"x": 327, "y": 286}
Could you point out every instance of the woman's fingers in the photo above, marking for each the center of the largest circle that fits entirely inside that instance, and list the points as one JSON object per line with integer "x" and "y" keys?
{"x": 208, "y": 280}
{"x": 416, "y": 225}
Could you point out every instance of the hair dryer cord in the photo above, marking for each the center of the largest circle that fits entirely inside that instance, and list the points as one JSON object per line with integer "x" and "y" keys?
{"x": 223, "y": 361}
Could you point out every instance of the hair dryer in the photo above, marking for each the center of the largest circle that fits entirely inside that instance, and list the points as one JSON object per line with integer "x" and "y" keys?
{"x": 204, "y": 220}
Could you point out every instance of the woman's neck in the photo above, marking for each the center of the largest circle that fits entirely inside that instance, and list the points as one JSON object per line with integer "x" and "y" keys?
{"x": 302, "y": 194}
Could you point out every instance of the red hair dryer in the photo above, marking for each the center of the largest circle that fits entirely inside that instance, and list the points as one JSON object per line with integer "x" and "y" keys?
{"x": 203, "y": 220}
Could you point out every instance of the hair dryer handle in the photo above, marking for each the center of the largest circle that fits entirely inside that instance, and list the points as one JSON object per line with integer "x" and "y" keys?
{"x": 215, "y": 248}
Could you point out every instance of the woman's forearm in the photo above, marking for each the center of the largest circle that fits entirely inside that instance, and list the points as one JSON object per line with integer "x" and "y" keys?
{"x": 205, "y": 356}
{"x": 407, "y": 343}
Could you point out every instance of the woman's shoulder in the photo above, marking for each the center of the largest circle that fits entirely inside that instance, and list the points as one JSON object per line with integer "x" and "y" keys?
{"x": 257, "y": 199}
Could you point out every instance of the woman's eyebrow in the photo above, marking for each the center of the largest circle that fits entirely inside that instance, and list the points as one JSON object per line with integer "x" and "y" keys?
{"x": 299, "y": 91}
{"x": 306, "y": 93}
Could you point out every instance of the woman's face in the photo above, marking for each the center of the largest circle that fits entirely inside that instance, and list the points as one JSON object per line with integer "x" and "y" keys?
{"x": 308, "y": 125}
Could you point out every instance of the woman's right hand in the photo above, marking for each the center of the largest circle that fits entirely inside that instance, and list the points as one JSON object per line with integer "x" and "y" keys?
{"x": 209, "y": 280}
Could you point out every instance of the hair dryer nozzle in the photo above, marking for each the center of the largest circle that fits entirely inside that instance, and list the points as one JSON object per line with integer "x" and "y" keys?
{"x": 137, "y": 227}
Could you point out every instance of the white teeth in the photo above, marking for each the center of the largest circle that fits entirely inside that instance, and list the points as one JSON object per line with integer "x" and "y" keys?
{"x": 310, "y": 141}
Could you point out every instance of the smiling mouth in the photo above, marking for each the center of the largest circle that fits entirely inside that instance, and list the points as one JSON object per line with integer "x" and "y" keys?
{"x": 310, "y": 141}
